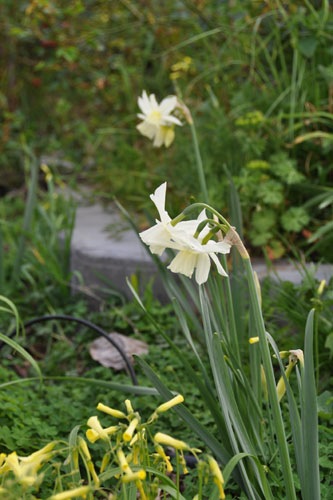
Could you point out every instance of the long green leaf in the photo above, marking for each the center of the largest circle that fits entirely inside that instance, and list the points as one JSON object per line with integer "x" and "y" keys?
{"x": 236, "y": 430}
{"x": 132, "y": 389}
{"x": 74, "y": 469}
{"x": 217, "y": 448}
{"x": 204, "y": 386}
{"x": 271, "y": 384}
{"x": 228, "y": 469}
{"x": 28, "y": 213}
{"x": 310, "y": 417}
{"x": 11, "y": 309}
{"x": 17, "y": 347}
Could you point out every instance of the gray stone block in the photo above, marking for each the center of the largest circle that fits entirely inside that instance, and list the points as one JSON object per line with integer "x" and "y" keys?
{"x": 105, "y": 251}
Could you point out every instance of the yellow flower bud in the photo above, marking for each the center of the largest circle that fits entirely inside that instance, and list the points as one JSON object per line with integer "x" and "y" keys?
{"x": 166, "y": 440}
{"x": 169, "y": 404}
{"x": 321, "y": 287}
{"x": 111, "y": 411}
{"x": 81, "y": 492}
{"x": 253, "y": 340}
{"x": 281, "y": 385}
{"x": 84, "y": 448}
{"x": 105, "y": 462}
{"x": 129, "y": 407}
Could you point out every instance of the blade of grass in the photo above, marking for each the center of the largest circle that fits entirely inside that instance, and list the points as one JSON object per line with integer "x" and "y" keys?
{"x": 309, "y": 414}
{"x": 132, "y": 389}
{"x": 72, "y": 459}
{"x": 28, "y": 213}
{"x": 14, "y": 345}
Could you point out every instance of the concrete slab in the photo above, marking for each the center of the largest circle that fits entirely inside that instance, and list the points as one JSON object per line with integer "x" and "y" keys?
{"x": 105, "y": 251}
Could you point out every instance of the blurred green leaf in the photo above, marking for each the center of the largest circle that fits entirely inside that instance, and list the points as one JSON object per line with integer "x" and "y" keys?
{"x": 295, "y": 219}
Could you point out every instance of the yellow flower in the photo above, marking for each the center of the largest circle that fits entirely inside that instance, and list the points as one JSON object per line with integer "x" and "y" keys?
{"x": 253, "y": 340}
{"x": 217, "y": 476}
{"x": 124, "y": 465}
{"x": 96, "y": 431}
{"x": 128, "y": 434}
{"x": 180, "y": 68}
{"x": 25, "y": 469}
{"x": 134, "y": 476}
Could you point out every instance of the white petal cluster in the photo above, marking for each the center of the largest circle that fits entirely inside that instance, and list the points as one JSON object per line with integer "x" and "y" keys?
{"x": 191, "y": 254}
{"x": 157, "y": 121}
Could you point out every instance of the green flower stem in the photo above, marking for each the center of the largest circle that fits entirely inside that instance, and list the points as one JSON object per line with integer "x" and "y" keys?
{"x": 200, "y": 205}
{"x": 200, "y": 169}
{"x": 177, "y": 474}
{"x": 231, "y": 314}
{"x": 272, "y": 393}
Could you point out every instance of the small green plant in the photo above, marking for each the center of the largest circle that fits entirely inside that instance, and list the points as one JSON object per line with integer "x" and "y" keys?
{"x": 126, "y": 458}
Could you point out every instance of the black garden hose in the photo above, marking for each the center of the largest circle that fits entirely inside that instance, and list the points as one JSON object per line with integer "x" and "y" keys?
{"x": 88, "y": 324}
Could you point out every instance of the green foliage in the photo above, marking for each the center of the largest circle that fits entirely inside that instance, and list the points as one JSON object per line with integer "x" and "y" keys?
{"x": 35, "y": 242}
{"x": 256, "y": 77}
{"x": 295, "y": 219}
{"x": 286, "y": 305}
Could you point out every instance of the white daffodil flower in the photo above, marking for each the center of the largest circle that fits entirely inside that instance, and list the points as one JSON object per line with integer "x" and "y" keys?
{"x": 192, "y": 254}
{"x": 164, "y": 235}
{"x": 157, "y": 121}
